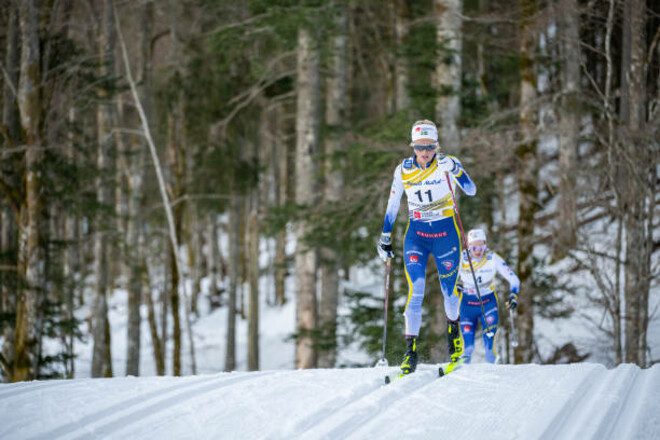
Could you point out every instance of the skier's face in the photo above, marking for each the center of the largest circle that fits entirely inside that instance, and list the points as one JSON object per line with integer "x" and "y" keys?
{"x": 477, "y": 248}
{"x": 424, "y": 150}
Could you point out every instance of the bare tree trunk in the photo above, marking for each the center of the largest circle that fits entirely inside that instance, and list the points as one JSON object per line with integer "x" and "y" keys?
{"x": 243, "y": 257}
{"x": 101, "y": 365}
{"x": 401, "y": 29}
{"x": 613, "y": 171}
{"x": 175, "y": 310}
{"x": 617, "y": 328}
{"x": 164, "y": 299}
{"x": 156, "y": 341}
{"x": 481, "y": 64}
{"x": 448, "y": 71}
{"x": 335, "y": 118}
{"x": 135, "y": 235}
{"x": 7, "y": 286}
{"x": 528, "y": 169}
{"x": 31, "y": 255}
{"x": 213, "y": 259}
{"x": 177, "y": 166}
{"x": 280, "y": 267}
{"x": 569, "y": 127}
{"x": 11, "y": 122}
{"x": 10, "y": 115}
{"x": 195, "y": 257}
{"x": 234, "y": 232}
{"x": 118, "y": 270}
{"x": 282, "y": 178}
{"x": 253, "y": 277}
{"x": 307, "y": 129}
{"x": 71, "y": 257}
{"x": 635, "y": 162}
{"x": 135, "y": 238}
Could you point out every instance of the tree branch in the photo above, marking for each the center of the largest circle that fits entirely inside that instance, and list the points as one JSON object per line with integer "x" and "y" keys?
{"x": 11, "y": 85}
{"x": 161, "y": 185}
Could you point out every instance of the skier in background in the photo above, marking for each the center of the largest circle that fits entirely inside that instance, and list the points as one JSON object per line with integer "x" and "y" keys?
{"x": 432, "y": 229}
{"x": 486, "y": 265}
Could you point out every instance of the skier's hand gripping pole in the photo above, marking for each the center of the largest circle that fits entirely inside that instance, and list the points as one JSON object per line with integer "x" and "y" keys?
{"x": 467, "y": 251}
{"x": 382, "y": 362}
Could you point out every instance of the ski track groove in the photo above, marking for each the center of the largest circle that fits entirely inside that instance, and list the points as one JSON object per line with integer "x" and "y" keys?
{"x": 579, "y": 396}
{"x": 610, "y": 419}
{"x": 336, "y": 404}
{"x": 593, "y": 411}
{"x": 133, "y": 410}
{"x": 30, "y": 387}
{"x": 631, "y": 417}
{"x": 350, "y": 416}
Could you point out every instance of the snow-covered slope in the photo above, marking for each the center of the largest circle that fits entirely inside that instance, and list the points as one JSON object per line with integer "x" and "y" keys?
{"x": 479, "y": 401}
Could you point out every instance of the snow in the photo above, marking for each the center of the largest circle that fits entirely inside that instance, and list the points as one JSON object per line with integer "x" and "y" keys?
{"x": 478, "y": 401}
{"x": 585, "y": 401}
{"x": 277, "y": 324}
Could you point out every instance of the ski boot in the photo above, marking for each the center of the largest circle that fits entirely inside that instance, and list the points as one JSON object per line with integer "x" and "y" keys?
{"x": 455, "y": 345}
{"x": 409, "y": 363}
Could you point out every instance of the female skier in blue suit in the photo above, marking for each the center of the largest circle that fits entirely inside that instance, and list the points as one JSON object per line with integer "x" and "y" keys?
{"x": 432, "y": 229}
{"x": 481, "y": 306}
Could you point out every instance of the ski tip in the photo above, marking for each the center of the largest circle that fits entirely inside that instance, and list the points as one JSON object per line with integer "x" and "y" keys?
{"x": 387, "y": 380}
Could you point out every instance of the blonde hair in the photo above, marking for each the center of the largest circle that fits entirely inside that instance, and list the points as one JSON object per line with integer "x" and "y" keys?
{"x": 424, "y": 121}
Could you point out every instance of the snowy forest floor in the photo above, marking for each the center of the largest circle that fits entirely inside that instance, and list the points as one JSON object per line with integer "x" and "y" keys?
{"x": 585, "y": 401}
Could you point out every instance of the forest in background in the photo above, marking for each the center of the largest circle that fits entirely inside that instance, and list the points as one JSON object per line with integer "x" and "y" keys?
{"x": 136, "y": 134}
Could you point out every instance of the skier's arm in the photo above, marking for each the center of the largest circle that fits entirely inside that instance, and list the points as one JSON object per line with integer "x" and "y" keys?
{"x": 508, "y": 274}
{"x": 460, "y": 176}
{"x": 393, "y": 202}
{"x": 384, "y": 246}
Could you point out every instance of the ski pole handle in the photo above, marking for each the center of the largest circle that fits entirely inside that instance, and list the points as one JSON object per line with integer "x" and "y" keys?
{"x": 458, "y": 215}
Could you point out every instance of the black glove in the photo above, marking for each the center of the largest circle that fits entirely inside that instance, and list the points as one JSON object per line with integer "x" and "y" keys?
{"x": 384, "y": 246}
{"x": 459, "y": 288}
{"x": 513, "y": 301}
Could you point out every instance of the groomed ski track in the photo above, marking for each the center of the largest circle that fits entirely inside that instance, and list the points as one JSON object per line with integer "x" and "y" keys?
{"x": 578, "y": 401}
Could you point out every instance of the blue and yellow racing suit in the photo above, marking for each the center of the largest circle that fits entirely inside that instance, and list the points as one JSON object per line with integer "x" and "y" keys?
{"x": 485, "y": 270}
{"x": 432, "y": 229}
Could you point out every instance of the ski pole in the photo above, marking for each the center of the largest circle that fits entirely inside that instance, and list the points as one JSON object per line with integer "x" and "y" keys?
{"x": 512, "y": 323}
{"x": 467, "y": 251}
{"x": 388, "y": 269}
